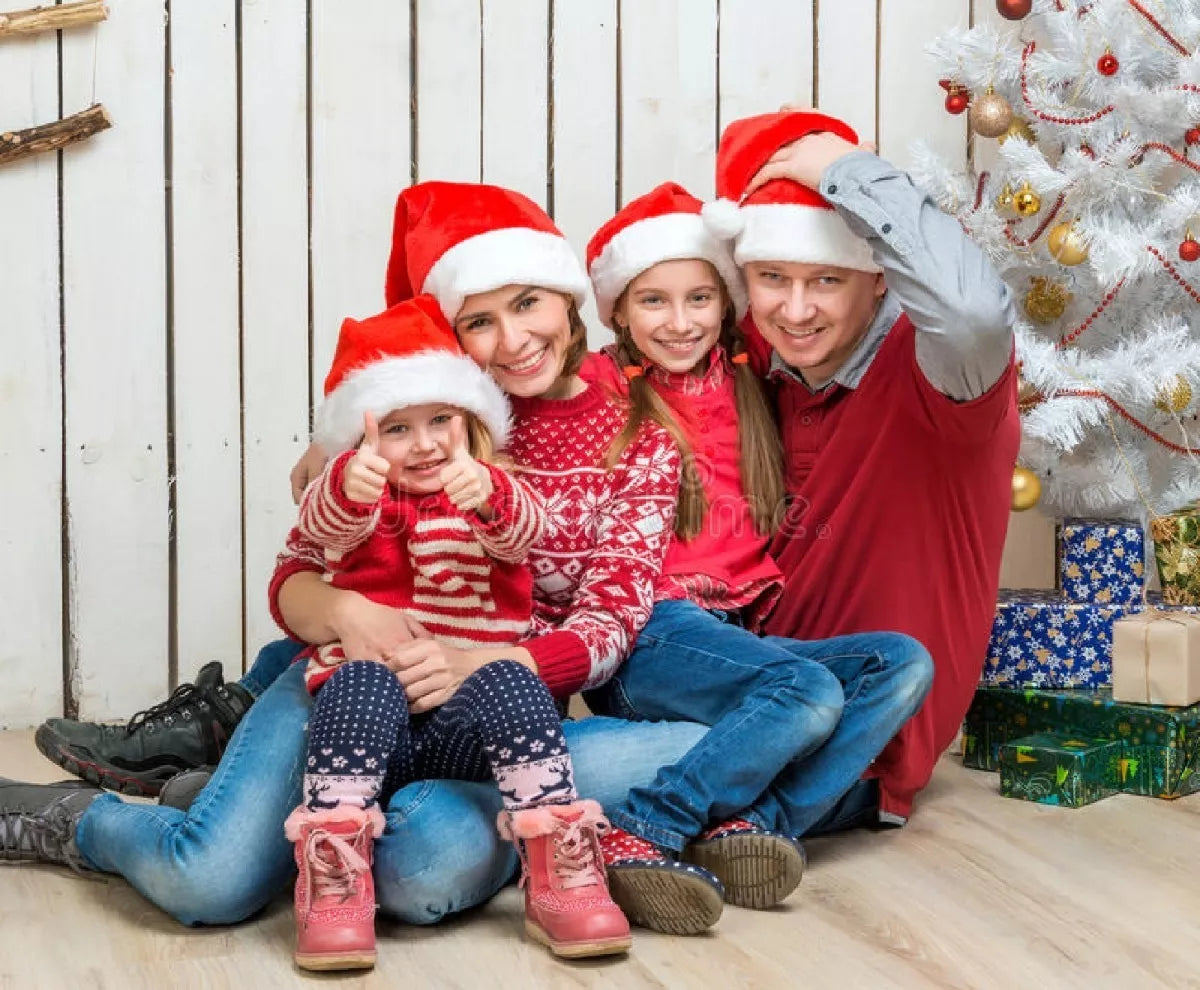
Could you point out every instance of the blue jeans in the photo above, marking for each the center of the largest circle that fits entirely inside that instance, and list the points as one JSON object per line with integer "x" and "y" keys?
{"x": 440, "y": 853}
{"x": 794, "y": 724}
{"x": 227, "y": 857}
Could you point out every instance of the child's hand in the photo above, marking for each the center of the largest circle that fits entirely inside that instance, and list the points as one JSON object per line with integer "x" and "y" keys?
{"x": 467, "y": 483}
{"x": 365, "y": 476}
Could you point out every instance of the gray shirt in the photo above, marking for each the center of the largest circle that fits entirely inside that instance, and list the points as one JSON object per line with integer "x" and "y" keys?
{"x": 959, "y": 305}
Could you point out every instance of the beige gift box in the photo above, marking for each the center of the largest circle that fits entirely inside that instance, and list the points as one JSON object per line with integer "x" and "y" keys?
{"x": 1156, "y": 658}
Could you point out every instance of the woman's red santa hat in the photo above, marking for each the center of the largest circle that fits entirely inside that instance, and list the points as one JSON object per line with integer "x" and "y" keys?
{"x": 454, "y": 239}
{"x": 405, "y": 356}
{"x": 663, "y": 225}
{"x": 781, "y": 220}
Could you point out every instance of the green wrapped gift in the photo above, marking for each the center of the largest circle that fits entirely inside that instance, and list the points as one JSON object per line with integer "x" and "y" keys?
{"x": 1055, "y": 769}
{"x": 1160, "y": 746}
{"x": 1177, "y": 554}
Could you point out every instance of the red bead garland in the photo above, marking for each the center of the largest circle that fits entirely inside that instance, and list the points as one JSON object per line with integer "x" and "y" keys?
{"x": 1090, "y": 119}
{"x": 1070, "y": 338}
{"x": 1174, "y": 273}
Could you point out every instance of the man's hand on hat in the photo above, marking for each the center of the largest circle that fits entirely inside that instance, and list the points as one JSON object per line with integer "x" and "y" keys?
{"x": 467, "y": 483}
{"x": 365, "y": 476}
{"x": 806, "y": 160}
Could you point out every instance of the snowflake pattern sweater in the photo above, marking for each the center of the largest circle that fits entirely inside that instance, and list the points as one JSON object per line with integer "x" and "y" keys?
{"x": 458, "y": 575}
{"x": 604, "y": 538}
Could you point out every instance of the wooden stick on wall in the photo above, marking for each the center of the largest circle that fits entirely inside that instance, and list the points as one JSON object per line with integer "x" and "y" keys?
{"x": 49, "y": 137}
{"x": 65, "y": 15}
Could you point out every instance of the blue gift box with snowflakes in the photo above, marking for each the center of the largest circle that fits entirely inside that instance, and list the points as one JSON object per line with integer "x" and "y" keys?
{"x": 1041, "y": 639}
{"x": 1101, "y": 561}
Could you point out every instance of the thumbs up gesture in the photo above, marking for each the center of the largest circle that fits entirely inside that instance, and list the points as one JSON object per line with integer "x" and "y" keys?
{"x": 366, "y": 472}
{"x": 466, "y": 482}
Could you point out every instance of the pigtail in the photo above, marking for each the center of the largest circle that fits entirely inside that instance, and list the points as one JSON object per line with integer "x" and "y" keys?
{"x": 646, "y": 404}
{"x": 761, "y": 458}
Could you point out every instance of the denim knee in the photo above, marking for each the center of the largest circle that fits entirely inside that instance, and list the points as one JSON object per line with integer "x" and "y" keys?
{"x": 913, "y": 667}
{"x": 440, "y": 852}
{"x": 821, "y": 694}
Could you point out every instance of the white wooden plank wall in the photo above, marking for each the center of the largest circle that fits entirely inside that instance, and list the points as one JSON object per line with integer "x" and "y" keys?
{"x": 31, "y": 645}
{"x": 206, "y": 367}
{"x": 213, "y": 240}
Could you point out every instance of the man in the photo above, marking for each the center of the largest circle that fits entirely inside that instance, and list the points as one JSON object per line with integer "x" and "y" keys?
{"x": 888, "y": 339}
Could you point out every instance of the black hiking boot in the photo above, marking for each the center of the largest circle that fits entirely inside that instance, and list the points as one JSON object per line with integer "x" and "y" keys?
{"x": 37, "y": 821}
{"x": 189, "y": 730}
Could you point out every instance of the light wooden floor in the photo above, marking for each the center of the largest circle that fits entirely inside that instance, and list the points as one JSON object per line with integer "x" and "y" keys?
{"x": 979, "y": 891}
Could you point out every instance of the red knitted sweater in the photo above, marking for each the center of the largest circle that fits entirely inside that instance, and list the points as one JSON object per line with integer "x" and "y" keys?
{"x": 604, "y": 537}
{"x": 461, "y": 577}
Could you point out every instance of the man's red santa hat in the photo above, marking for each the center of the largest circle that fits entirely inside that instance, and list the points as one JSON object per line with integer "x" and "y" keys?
{"x": 781, "y": 220}
{"x": 405, "y": 356}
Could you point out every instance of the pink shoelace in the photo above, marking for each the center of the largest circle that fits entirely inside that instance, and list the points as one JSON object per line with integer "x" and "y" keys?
{"x": 576, "y": 853}
{"x": 334, "y": 867}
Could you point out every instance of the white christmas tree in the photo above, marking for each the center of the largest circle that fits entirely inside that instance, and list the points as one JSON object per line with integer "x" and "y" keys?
{"x": 1091, "y": 212}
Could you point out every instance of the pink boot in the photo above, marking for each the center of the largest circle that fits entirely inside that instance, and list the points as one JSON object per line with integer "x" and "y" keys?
{"x": 567, "y": 904}
{"x": 335, "y": 892}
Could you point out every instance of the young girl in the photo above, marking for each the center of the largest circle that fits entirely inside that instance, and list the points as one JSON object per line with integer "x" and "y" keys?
{"x": 784, "y": 742}
{"x": 412, "y": 519}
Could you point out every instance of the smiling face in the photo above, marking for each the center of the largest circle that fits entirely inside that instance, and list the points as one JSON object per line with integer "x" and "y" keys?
{"x": 415, "y": 441}
{"x": 520, "y": 335}
{"x": 673, "y": 313}
{"x": 812, "y": 315}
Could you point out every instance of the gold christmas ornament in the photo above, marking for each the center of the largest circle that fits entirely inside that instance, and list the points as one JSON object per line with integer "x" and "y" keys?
{"x": 990, "y": 114}
{"x": 1174, "y": 397}
{"x": 1066, "y": 245}
{"x": 1020, "y": 130}
{"x": 1004, "y": 202}
{"x": 1026, "y": 489}
{"x": 1025, "y": 201}
{"x": 1046, "y": 301}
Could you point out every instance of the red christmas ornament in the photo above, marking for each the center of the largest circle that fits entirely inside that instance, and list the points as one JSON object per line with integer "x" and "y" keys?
{"x": 1192, "y": 135}
{"x": 957, "y": 102}
{"x": 1189, "y": 250}
{"x": 1107, "y": 64}
{"x": 1014, "y": 10}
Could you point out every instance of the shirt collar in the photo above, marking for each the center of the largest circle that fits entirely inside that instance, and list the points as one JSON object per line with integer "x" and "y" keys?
{"x": 850, "y": 374}
{"x": 689, "y": 383}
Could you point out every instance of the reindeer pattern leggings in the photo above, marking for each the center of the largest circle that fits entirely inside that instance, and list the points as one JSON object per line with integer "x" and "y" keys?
{"x": 364, "y": 745}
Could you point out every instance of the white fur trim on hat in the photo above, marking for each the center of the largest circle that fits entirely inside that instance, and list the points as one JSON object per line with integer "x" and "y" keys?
{"x": 808, "y": 234}
{"x": 393, "y": 383}
{"x": 509, "y": 256}
{"x": 642, "y": 245}
{"x": 724, "y": 218}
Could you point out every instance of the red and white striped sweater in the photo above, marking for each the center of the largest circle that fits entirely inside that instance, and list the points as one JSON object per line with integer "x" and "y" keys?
{"x": 604, "y": 538}
{"x": 462, "y": 578}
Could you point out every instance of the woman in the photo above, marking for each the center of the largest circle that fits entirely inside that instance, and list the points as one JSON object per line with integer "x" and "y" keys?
{"x": 510, "y": 283}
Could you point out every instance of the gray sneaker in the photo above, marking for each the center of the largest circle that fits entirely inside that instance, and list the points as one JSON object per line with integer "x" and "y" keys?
{"x": 37, "y": 821}
{"x": 181, "y": 790}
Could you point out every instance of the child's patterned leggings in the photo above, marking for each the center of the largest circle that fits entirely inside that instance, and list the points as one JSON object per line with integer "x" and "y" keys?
{"x": 363, "y": 745}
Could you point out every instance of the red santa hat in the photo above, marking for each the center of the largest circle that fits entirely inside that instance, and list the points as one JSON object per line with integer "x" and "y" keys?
{"x": 453, "y": 239}
{"x": 405, "y": 356}
{"x": 781, "y": 220}
{"x": 663, "y": 225}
